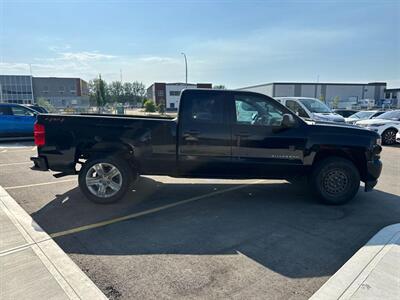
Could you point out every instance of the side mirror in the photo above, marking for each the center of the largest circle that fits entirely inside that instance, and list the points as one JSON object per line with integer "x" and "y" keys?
{"x": 288, "y": 121}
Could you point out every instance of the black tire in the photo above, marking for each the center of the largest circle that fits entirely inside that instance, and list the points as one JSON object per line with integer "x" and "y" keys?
{"x": 125, "y": 175}
{"x": 335, "y": 180}
{"x": 389, "y": 136}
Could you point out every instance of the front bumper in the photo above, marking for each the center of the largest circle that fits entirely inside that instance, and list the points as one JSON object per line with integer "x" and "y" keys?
{"x": 374, "y": 169}
{"x": 40, "y": 163}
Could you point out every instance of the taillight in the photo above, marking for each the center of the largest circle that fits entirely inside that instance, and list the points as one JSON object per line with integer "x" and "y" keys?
{"x": 39, "y": 134}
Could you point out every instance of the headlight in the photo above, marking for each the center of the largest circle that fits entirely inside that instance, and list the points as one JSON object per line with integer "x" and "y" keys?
{"x": 379, "y": 141}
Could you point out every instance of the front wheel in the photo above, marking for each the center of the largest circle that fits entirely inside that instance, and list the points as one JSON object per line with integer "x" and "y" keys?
{"x": 389, "y": 136}
{"x": 105, "y": 180}
{"x": 335, "y": 180}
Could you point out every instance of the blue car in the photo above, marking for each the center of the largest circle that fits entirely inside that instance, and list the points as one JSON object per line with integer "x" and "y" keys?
{"x": 16, "y": 120}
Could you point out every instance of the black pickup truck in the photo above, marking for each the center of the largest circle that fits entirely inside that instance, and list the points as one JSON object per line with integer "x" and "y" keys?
{"x": 217, "y": 134}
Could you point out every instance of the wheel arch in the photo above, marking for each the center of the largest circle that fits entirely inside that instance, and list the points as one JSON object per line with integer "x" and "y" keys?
{"x": 355, "y": 155}
{"x": 99, "y": 149}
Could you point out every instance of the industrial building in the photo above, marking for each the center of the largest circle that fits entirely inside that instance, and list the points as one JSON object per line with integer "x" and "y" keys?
{"x": 393, "y": 96}
{"x": 16, "y": 89}
{"x": 60, "y": 92}
{"x": 168, "y": 94}
{"x": 345, "y": 95}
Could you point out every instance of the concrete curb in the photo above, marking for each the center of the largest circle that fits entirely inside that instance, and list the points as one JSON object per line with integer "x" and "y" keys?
{"x": 73, "y": 281}
{"x": 372, "y": 273}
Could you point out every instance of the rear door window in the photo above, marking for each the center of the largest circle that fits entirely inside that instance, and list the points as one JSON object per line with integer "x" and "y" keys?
{"x": 21, "y": 111}
{"x": 206, "y": 109}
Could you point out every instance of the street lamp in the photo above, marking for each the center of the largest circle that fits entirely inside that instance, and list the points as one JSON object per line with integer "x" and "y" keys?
{"x": 184, "y": 55}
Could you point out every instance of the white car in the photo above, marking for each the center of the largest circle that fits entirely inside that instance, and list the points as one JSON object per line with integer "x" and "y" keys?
{"x": 363, "y": 115}
{"x": 387, "y": 125}
{"x": 310, "y": 108}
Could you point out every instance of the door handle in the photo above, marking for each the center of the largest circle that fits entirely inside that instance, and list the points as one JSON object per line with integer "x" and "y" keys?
{"x": 191, "y": 132}
{"x": 242, "y": 134}
{"x": 191, "y": 135}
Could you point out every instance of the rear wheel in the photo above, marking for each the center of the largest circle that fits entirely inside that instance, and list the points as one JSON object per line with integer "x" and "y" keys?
{"x": 389, "y": 136}
{"x": 105, "y": 180}
{"x": 335, "y": 180}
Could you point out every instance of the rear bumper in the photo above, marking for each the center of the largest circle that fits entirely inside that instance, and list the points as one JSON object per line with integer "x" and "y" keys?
{"x": 40, "y": 163}
{"x": 374, "y": 169}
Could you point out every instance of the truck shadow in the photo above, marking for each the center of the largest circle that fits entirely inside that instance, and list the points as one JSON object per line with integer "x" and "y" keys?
{"x": 278, "y": 225}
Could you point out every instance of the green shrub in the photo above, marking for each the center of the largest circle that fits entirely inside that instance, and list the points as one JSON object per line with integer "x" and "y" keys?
{"x": 161, "y": 109}
{"x": 149, "y": 106}
{"x": 46, "y": 104}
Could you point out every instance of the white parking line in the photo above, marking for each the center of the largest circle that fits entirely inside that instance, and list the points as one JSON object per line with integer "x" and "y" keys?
{"x": 37, "y": 184}
{"x": 17, "y": 150}
{"x": 150, "y": 211}
{"x": 13, "y": 164}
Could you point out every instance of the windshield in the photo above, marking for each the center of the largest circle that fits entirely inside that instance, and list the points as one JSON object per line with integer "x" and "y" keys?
{"x": 390, "y": 115}
{"x": 38, "y": 109}
{"x": 362, "y": 114}
{"x": 315, "y": 106}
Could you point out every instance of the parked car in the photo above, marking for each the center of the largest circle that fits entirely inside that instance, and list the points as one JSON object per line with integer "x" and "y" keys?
{"x": 310, "y": 108}
{"x": 38, "y": 108}
{"x": 363, "y": 115}
{"x": 16, "y": 120}
{"x": 345, "y": 113}
{"x": 386, "y": 125}
{"x": 210, "y": 138}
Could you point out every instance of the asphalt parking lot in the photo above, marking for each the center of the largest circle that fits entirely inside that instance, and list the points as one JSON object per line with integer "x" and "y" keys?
{"x": 191, "y": 238}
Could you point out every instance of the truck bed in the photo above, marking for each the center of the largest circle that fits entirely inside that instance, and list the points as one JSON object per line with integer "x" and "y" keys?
{"x": 70, "y": 137}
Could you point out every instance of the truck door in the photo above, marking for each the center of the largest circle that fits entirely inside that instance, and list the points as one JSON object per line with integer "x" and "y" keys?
{"x": 204, "y": 143}
{"x": 260, "y": 144}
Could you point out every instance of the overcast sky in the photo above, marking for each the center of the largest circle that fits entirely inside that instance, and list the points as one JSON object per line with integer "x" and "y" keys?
{"x": 235, "y": 43}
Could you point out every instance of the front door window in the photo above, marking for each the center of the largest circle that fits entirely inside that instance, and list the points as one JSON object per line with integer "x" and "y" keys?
{"x": 296, "y": 108}
{"x": 252, "y": 110}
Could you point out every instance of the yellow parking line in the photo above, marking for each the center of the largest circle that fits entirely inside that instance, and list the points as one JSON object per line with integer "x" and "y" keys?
{"x": 36, "y": 184}
{"x": 150, "y": 211}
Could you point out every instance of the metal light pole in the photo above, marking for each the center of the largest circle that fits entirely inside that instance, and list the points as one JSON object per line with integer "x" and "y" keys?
{"x": 30, "y": 72}
{"x": 184, "y": 55}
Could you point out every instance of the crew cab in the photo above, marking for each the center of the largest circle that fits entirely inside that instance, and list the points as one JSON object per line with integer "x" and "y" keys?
{"x": 217, "y": 134}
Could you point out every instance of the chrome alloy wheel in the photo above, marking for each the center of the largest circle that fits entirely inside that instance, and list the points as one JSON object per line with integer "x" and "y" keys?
{"x": 389, "y": 137}
{"x": 103, "y": 180}
{"x": 335, "y": 182}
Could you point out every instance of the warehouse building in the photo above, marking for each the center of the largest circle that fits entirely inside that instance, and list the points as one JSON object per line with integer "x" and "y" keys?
{"x": 392, "y": 97}
{"x": 16, "y": 89}
{"x": 60, "y": 92}
{"x": 341, "y": 95}
{"x": 168, "y": 94}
